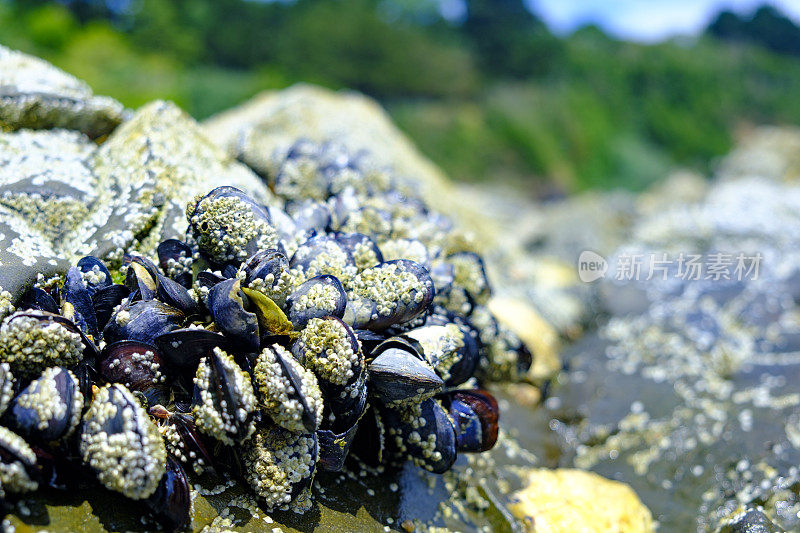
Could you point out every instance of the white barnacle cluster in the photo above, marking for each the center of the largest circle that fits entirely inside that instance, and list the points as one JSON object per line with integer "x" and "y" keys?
{"x": 387, "y": 285}
{"x": 213, "y": 416}
{"x": 276, "y": 460}
{"x": 328, "y": 351}
{"x": 299, "y": 179}
{"x": 276, "y": 289}
{"x": 28, "y": 346}
{"x": 95, "y": 276}
{"x": 414, "y": 432}
{"x": 14, "y": 476}
{"x": 364, "y": 255}
{"x": 333, "y": 260}
{"x": 6, "y": 303}
{"x": 6, "y": 386}
{"x": 404, "y": 249}
{"x": 176, "y": 267}
{"x": 43, "y": 397}
{"x": 122, "y": 444}
{"x": 225, "y": 227}
{"x": 277, "y": 393}
{"x": 322, "y": 296}
{"x": 367, "y": 221}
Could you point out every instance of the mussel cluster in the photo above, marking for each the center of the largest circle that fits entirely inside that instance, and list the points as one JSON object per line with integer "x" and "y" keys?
{"x": 270, "y": 343}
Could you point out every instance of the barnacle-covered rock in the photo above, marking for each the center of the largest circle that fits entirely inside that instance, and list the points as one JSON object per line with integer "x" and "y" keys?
{"x": 49, "y": 408}
{"x": 279, "y": 465}
{"x": 287, "y": 392}
{"x": 32, "y": 340}
{"x": 224, "y": 402}
{"x": 122, "y": 444}
{"x": 36, "y": 95}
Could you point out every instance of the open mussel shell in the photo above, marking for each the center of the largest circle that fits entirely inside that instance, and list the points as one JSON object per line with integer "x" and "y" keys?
{"x": 229, "y": 226}
{"x": 175, "y": 260}
{"x": 365, "y": 252}
{"x": 143, "y": 321}
{"x": 227, "y": 305}
{"x": 223, "y": 403}
{"x": 171, "y": 503}
{"x": 287, "y": 392}
{"x": 95, "y": 273}
{"x": 330, "y": 349}
{"x": 320, "y": 296}
{"x": 105, "y": 300}
{"x": 450, "y": 350}
{"x": 121, "y": 443}
{"x": 423, "y": 434}
{"x": 321, "y": 254}
{"x": 138, "y": 366}
{"x": 183, "y": 440}
{"x": 49, "y": 408}
{"x": 36, "y": 298}
{"x": 279, "y": 465}
{"x": 33, "y": 340}
{"x": 77, "y": 302}
{"x": 183, "y": 348}
{"x": 142, "y": 275}
{"x": 399, "y": 375}
{"x": 390, "y": 293}
{"x": 18, "y": 468}
{"x": 475, "y": 416}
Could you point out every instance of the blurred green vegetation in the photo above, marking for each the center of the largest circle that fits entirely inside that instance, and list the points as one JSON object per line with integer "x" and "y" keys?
{"x": 490, "y": 94}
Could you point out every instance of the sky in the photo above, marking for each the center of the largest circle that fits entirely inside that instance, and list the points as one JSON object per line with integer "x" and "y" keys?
{"x": 645, "y": 20}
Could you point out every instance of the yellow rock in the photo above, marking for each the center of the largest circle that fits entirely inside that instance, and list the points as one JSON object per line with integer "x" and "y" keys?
{"x": 575, "y": 501}
{"x": 538, "y": 335}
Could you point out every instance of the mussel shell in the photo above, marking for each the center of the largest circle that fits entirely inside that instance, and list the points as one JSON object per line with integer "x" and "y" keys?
{"x": 6, "y": 387}
{"x": 429, "y": 423}
{"x": 171, "y": 503}
{"x": 77, "y": 302}
{"x": 138, "y": 366}
{"x": 174, "y": 294}
{"x": 19, "y": 472}
{"x": 404, "y": 291}
{"x": 173, "y": 255}
{"x": 223, "y": 403}
{"x": 121, "y": 444}
{"x": 310, "y": 216}
{"x": 323, "y": 255}
{"x": 189, "y": 447}
{"x": 183, "y": 348}
{"x": 279, "y": 464}
{"x": 475, "y": 416}
{"x": 369, "y": 444}
{"x": 334, "y": 447}
{"x": 263, "y": 263}
{"x": 318, "y": 297}
{"x": 49, "y": 408}
{"x": 95, "y": 272}
{"x": 289, "y": 394}
{"x": 227, "y": 305}
{"x": 105, "y": 300}
{"x": 142, "y": 275}
{"x": 372, "y": 221}
{"x": 398, "y": 374}
{"x": 142, "y": 321}
{"x": 364, "y": 250}
{"x": 451, "y": 350}
{"x": 36, "y": 298}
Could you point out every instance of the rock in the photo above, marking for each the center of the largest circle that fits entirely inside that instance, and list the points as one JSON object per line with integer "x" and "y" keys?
{"x": 539, "y": 337}
{"x": 36, "y": 95}
{"x": 573, "y": 501}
